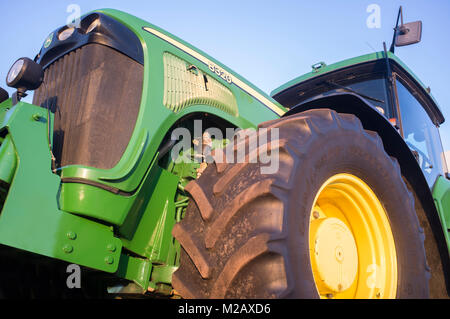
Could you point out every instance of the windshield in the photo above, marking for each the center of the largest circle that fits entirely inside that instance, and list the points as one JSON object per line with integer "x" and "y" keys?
{"x": 373, "y": 91}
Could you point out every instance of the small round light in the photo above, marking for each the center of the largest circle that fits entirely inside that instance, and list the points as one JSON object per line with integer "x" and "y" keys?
{"x": 93, "y": 25}
{"x": 14, "y": 71}
{"x": 65, "y": 34}
{"x": 25, "y": 74}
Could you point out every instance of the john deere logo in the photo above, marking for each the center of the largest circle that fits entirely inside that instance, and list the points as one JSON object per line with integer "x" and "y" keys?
{"x": 48, "y": 41}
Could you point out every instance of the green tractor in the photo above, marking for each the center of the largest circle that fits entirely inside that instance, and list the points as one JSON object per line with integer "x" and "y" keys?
{"x": 158, "y": 171}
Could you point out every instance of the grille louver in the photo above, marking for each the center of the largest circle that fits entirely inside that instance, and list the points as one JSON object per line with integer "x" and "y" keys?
{"x": 94, "y": 93}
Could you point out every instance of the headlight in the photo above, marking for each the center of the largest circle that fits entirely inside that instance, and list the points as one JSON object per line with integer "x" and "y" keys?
{"x": 25, "y": 74}
{"x": 65, "y": 34}
{"x": 14, "y": 71}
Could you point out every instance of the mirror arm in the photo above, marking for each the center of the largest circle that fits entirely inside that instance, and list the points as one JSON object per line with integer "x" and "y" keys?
{"x": 400, "y": 13}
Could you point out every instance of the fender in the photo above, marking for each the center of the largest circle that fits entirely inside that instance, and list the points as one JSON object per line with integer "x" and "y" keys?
{"x": 395, "y": 146}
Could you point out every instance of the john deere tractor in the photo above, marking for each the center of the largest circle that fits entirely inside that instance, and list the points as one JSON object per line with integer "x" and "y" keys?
{"x": 124, "y": 166}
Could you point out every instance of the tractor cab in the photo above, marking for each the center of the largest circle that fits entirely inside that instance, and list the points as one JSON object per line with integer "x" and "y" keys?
{"x": 399, "y": 98}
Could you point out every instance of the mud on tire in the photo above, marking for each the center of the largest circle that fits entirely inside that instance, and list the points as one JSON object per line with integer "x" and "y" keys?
{"x": 245, "y": 234}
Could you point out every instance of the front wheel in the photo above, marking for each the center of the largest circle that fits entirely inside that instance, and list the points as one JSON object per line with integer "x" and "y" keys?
{"x": 335, "y": 221}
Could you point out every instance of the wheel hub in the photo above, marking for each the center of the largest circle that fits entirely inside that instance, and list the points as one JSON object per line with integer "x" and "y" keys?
{"x": 352, "y": 249}
{"x": 335, "y": 254}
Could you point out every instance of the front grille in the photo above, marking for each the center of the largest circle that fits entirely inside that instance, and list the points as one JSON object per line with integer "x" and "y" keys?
{"x": 94, "y": 93}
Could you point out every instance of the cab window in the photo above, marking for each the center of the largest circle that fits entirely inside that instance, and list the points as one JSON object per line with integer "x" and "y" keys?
{"x": 421, "y": 135}
{"x": 373, "y": 91}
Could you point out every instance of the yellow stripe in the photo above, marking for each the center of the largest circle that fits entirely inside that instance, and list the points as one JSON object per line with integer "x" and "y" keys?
{"x": 208, "y": 62}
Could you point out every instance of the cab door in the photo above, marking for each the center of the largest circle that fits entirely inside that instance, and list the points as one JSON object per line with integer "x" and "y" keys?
{"x": 419, "y": 132}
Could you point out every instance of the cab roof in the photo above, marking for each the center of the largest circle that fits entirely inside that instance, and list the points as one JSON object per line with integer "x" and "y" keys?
{"x": 324, "y": 69}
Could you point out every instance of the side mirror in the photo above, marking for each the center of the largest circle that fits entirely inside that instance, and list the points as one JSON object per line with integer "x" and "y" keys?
{"x": 408, "y": 33}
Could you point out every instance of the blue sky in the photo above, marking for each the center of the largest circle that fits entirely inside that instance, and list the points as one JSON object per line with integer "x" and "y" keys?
{"x": 267, "y": 42}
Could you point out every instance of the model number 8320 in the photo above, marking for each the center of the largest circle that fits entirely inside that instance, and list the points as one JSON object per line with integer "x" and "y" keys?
{"x": 224, "y": 75}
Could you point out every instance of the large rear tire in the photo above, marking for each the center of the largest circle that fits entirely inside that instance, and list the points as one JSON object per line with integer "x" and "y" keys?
{"x": 335, "y": 221}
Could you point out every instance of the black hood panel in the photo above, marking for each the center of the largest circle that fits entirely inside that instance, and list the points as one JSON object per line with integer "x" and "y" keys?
{"x": 107, "y": 31}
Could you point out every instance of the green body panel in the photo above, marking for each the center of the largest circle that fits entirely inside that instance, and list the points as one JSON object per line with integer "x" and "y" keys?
{"x": 441, "y": 195}
{"x": 9, "y": 160}
{"x": 135, "y": 269}
{"x": 148, "y": 225}
{"x": 31, "y": 219}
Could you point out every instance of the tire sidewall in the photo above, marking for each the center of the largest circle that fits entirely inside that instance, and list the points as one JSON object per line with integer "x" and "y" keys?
{"x": 356, "y": 153}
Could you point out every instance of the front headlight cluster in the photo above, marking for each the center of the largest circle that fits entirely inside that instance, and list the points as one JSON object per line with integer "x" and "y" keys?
{"x": 87, "y": 26}
{"x": 25, "y": 74}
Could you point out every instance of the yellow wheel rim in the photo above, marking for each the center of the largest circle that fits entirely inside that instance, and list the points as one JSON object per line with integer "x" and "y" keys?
{"x": 352, "y": 249}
